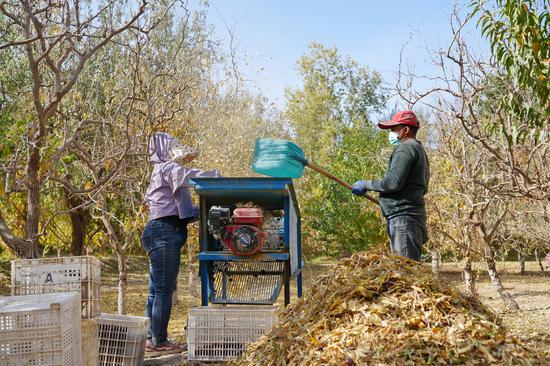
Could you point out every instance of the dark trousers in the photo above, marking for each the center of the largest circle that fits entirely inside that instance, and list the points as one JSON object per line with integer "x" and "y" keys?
{"x": 162, "y": 239}
{"x": 407, "y": 234}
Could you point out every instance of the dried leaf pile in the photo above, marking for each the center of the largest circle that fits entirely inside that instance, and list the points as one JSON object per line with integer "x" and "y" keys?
{"x": 379, "y": 309}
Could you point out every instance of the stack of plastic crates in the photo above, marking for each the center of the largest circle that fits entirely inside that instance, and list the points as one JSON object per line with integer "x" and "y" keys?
{"x": 221, "y": 334}
{"x": 63, "y": 274}
{"x": 40, "y": 330}
{"x": 121, "y": 339}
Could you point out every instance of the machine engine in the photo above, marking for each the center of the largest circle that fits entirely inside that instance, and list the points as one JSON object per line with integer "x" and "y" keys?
{"x": 241, "y": 231}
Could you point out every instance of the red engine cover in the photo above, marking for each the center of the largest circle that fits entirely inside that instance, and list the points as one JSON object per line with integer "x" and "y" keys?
{"x": 243, "y": 239}
{"x": 248, "y": 215}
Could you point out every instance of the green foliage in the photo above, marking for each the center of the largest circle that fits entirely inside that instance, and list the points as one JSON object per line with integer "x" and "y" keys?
{"x": 330, "y": 119}
{"x": 518, "y": 31}
{"x": 341, "y": 222}
{"x": 7, "y": 146}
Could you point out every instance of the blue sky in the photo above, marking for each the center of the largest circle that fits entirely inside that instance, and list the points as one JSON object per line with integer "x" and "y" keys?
{"x": 272, "y": 35}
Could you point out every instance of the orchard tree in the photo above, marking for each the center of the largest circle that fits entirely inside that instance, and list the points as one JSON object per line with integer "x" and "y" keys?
{"x": 56, "y": 39}
{"x": 467, "y": 217}
{"x": 477, "y": 99}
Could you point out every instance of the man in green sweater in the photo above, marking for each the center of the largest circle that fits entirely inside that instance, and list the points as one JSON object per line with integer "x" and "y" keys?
{"x": 403, "y": 187}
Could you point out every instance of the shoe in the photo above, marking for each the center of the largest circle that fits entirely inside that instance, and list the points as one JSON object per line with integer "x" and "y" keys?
{"x": 169, "y": 347}
{"x": 149, "y": 345}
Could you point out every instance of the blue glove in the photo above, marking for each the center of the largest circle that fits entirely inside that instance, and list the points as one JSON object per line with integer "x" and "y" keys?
{"x": 359, "y": 188}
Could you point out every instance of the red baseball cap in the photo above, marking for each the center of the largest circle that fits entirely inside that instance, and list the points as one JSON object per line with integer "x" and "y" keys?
{"x": 400, "y": 118}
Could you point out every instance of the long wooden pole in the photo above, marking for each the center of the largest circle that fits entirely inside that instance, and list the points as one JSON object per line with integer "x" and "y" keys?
{"x": 338, "y": 180}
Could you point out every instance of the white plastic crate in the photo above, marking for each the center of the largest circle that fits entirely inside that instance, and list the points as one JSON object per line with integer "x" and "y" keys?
{"x": 62, "y": 274}
{"x": 121, "y": 339}
{"x": 40, "y": 330}
{"x": 222, "y": 333}
{"x": 90, "y": 343}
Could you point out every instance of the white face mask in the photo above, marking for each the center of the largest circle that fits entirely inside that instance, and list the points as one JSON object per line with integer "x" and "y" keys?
{"x": 181, "y": 154}
{"x": 393, "y": 139}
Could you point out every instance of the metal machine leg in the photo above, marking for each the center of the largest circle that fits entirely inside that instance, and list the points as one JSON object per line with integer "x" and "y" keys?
{"x": 286, "y": 280}
{"x": 204, "y": 283}
{"x": 299, "y": 283}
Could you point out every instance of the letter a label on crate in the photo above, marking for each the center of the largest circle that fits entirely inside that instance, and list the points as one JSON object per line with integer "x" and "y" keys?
{"x": 58, "y": 274}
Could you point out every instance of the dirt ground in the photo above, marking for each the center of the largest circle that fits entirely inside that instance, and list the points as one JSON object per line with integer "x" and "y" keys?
{"x": 531, "y": 291}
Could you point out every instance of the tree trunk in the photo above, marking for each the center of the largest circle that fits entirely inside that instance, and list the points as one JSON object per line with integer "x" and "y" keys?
{"x": 33, "y": 201}
{"x": 193, "y": 280}
{"x": 537, "y": 258}
{"x": 122, "y": 282}
{"x": 436, "y": 261}
{"x": 78, "y": 234}
{"x": 469, "y": 278}
{"x": 194, "y": 286}
{"x": 21, "y": 248}
{"x": 495, "y": 279}
{"x": 521, "y": 258}
{"x": 122, "y": 262}
{"x": 175, "y": 295}
{"x": 79, "y": 222}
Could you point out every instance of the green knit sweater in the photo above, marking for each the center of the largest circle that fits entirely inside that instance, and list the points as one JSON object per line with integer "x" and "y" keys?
{"x": 404, "y": 185}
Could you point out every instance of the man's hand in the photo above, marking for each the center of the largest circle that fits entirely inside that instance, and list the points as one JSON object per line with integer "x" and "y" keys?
{"x": 359, "y": 188}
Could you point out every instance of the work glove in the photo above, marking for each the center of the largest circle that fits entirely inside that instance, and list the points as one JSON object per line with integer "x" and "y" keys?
{"x": 359, "y": 188}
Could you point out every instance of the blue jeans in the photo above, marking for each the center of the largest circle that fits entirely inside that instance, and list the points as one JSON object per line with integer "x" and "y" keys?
{"x": 162, "y": 239}
{"x": 407, "y": 234}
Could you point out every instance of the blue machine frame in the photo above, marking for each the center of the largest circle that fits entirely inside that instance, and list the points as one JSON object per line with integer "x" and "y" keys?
{"x": 269, "y": 193}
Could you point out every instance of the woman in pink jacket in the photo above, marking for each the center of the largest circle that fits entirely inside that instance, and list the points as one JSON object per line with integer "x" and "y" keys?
{"x": 170, "y": 210}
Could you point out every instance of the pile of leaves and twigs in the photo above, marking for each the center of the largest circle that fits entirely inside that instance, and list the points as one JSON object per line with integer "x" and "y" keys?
{"x": 380, "y": 309}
